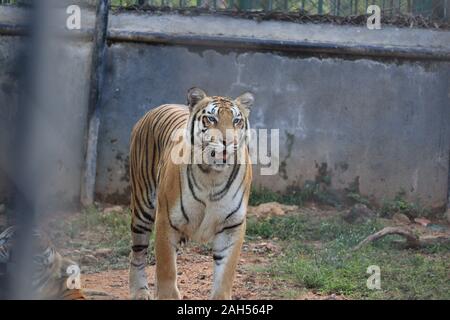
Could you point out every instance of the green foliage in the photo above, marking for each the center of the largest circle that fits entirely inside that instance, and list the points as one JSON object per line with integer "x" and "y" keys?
{"x": 400, "y": 205}
{"x": 263, "y": 195}
{"x": 311, "y": 191}
{"x": 357, "y": 198}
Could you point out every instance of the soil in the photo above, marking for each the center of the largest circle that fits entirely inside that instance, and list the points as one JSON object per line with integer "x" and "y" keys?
{"x": 195, "y": 277}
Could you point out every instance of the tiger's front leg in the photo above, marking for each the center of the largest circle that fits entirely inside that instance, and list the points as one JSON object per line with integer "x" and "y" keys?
{"x": 226, "y": 251}
{"x": 166, "y": 240}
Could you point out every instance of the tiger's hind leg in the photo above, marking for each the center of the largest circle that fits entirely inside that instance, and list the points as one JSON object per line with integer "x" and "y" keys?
{"x": 166, "y": 239}
{"x": 141, "y": 228}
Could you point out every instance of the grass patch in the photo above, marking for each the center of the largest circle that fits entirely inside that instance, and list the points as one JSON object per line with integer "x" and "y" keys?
{"x": 317, "y": 255}
{"x": 92, "y": 230}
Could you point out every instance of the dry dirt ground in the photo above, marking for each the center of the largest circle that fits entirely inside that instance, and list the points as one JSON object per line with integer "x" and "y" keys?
{"x": 195, "y": 277}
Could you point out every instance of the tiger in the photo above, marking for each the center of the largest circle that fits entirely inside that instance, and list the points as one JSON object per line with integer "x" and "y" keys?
{"x": 202, "y": 201}
{"x": 50, "y": 270}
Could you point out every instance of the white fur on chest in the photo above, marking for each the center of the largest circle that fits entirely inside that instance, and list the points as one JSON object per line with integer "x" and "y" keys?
{"x": 205, "y": 217}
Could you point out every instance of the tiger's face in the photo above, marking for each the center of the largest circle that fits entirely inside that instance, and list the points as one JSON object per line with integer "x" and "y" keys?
{"x": 219, "y": 127}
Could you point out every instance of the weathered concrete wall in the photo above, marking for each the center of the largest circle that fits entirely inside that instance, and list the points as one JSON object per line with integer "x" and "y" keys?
{"x": 383, "y": 123}
{"x": 58, "y": 114}
{"x": 9, "y": 46}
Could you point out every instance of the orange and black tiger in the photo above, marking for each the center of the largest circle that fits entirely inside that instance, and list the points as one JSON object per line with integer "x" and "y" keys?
{"x": 190, "y": 176}
{"x": 50, "y": 277}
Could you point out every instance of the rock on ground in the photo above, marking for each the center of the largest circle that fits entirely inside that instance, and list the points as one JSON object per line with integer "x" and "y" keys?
{"x": 113, "y": 209}
{"x": 359, "y": 213}
{"x": 270, "y": 209}
{"x": 401, "y": 218}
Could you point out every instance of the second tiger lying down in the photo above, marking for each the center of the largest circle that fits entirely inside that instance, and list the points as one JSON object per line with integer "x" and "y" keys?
{"x": 203, "y": 201}
{"x": 50, "y": 280}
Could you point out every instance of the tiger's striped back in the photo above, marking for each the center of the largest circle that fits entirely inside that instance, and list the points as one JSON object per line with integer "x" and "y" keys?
{"x": 151, "y": 143}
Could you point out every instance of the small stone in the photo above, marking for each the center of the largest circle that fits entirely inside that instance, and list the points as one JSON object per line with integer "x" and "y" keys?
{"x": 359, "y": 213}
{"x": 103, "y": 252}
{"x": 422, "y": 221}
{"x": 401, "y": 218}
{"x": 89, "y": 259}
{"x": 116, "y": 209}
{"x": 271, "y": 209}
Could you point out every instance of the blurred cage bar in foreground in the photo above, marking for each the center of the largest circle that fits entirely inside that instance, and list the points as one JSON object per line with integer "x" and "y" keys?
{"x": 438, "y": 10}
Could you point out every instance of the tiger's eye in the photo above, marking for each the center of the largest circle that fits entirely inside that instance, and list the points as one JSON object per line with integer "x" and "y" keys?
{"x": 237, "y": 122}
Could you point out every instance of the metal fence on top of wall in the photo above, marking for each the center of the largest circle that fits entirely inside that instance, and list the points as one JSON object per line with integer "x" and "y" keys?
{"x": 436, "y": 9}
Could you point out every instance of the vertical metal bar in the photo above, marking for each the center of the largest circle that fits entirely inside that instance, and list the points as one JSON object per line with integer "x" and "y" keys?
{"x": 448, "y": 188}
{"x": 19, "y": 276}
{"x": 447, "y": 10}
{"x": 96, "y": 82}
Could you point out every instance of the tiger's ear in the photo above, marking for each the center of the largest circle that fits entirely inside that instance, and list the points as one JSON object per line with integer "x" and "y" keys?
{"x": 246, "y": 100}
{"x": 194, "y": 96}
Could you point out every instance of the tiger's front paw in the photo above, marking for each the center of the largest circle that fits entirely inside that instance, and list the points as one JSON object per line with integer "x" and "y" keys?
{"x": 168, "y": 294}
{"x": 141, "y": 294}
{"x": 220, "y": 296}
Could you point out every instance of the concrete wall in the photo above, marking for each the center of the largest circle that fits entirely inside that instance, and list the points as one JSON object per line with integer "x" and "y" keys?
{"x": 380, "y": 121}
{"x": 9, "y": 47}
{"x": 58, "y": 114}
